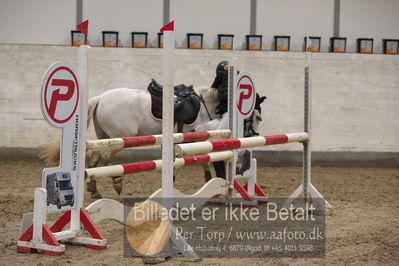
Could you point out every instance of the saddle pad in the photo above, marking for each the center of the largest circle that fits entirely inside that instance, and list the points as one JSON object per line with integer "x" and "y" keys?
{"x": 156, "y": 107}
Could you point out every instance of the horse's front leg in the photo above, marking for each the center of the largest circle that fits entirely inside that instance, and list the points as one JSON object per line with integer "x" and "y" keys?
{"x": 117, "y": 181}
{"x": 207, "y": 171}
{"x": 105, "y": 157}
{"x": 93, "y": 159}
{"x": 220, "y": 169}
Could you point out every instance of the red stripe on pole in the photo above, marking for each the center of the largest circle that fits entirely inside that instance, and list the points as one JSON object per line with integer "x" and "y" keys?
{"x": 61, "y": 222}
{"x": 27, "y": 235}
{"x": 50, "y": 240}
{"x": 276, "y": 139}
{"x": 138, "y": 167}
{"x": 196, "y": 136}
{"x": 130, "y": 142}
{"x": 91, "y": 228}
{"x": 222, "y": 145}
{"x": 259, "y": 191}
{"x": 240, "y": 189}
{"x": 196, "y": 159}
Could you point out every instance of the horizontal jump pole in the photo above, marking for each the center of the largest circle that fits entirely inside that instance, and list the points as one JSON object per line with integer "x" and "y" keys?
{"x": 241, "y": 143}
{"x": 130, "y": 168}
{"x": 131, "y": 142}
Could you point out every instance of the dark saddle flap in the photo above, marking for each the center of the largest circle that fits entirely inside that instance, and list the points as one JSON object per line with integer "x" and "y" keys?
{"x": 186, "y": 102}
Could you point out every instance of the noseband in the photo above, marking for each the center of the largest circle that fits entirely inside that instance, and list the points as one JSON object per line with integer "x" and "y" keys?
{"x": 249, "y": 130}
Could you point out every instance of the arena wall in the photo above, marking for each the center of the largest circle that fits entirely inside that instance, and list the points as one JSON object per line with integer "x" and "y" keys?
{"x": 355, "y": 96}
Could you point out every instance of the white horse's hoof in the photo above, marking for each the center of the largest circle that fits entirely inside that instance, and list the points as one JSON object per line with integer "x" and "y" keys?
{"x": 96, "y": 195}
{"x": 92, "y": 186}
{"x": 118, "y": 185}
{"x": 208, "y": 176}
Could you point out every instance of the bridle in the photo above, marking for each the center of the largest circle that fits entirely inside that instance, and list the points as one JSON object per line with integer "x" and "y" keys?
{"x": 249, "y": 130}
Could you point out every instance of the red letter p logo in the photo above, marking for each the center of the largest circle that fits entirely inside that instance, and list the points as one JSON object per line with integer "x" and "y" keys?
{"x": 57, "y": 96}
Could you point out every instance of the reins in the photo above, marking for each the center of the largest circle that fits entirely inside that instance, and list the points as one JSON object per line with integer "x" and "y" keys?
{"x": 203, "y": 102}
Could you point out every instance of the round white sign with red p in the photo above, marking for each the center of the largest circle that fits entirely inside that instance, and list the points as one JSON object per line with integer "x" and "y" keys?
{"x": 60, "y": 94}
{"x": 246, "y": 97}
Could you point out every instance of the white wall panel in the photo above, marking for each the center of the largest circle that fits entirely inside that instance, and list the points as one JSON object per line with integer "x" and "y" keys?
{"x": 369, "y": 19}
{"x": 211, "y": 18}
{"x": 297, "y": 19}
{"x": 37, "y": 22}
{"x": 123, "y": 16}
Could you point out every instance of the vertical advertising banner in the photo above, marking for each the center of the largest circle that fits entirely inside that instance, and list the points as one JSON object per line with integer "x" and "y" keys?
{"x": 60, "y": 106}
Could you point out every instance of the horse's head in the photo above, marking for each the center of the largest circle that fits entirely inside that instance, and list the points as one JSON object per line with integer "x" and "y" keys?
{"x": 251, "y": 124}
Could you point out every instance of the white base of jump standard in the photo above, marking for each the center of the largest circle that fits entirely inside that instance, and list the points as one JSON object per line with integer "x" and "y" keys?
{"x": 313, "y": 193}
{"x": 36, "y": 236}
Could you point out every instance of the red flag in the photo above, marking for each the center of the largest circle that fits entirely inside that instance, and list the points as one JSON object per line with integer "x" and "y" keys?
{"x": 168, "y": 27}
{"x": 83, "y": 27}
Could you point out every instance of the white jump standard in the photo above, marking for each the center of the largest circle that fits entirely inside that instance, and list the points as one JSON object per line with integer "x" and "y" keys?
{"x": 69, "y": 184}
{"x": 307, "y": 189}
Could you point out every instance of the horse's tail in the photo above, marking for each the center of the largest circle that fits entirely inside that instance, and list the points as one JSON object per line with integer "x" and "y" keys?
{"x": 91, "y": 108}
{"x": 50, "y": 152}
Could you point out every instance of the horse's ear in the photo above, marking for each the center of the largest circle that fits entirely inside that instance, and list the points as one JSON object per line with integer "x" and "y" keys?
{"x": 259, "y": 99}
{"x": 262, "y": 99}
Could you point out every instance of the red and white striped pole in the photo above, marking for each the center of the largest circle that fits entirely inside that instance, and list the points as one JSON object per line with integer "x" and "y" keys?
{"x": 131, "y": 168}
{"x": 240, "y": 143}
{"x": 131, "y": 142}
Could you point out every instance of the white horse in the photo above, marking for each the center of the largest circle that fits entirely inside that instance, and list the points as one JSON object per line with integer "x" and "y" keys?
{"x": 124, "y": 112}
